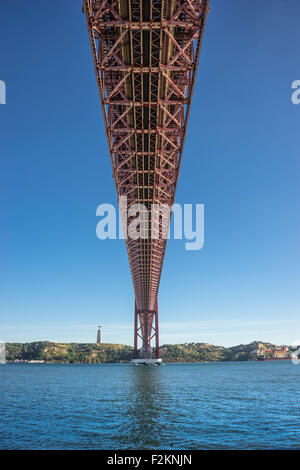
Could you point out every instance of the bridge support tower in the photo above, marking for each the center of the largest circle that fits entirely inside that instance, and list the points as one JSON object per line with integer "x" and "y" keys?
{"x": 146, "y": 333}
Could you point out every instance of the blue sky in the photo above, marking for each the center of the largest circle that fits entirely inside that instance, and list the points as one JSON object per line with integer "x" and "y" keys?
{"x": 241, "y": 159}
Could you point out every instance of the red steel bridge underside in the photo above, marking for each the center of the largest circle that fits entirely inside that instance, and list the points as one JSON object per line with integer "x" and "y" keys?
{"x": 146, "y": 54}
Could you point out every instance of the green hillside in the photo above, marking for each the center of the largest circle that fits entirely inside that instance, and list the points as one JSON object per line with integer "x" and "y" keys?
{"x": 97, "y": 353}
{"x": 68, "y": 352}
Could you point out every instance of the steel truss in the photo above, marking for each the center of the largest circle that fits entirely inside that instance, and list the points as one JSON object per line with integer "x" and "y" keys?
{"x": 146, "y": 54}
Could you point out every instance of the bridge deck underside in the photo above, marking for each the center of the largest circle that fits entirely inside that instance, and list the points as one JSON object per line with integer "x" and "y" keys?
{"x": 146, "y": 55}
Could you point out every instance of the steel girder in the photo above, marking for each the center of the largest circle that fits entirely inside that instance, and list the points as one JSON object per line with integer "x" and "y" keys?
{"x": 146, "y": 56}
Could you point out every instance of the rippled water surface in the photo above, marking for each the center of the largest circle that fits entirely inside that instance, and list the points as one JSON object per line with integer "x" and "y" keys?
{"x": 246, "y": 405}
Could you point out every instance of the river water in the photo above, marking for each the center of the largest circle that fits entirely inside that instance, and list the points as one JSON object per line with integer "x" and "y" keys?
{"x": 242, "y": 405}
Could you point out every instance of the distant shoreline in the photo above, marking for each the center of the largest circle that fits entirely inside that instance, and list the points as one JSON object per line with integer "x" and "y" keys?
{"x": 128, "y": 362}
{"x": 46, "y": 352}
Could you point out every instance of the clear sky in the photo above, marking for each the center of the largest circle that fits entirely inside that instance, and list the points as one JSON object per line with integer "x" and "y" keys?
{"x": 241, "y": 159}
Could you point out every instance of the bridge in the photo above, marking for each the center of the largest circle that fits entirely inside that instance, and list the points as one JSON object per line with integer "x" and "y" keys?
{"x": 146, "y": 55}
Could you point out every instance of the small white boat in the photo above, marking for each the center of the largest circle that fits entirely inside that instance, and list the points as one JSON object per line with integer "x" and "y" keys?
{"x": 146, "y": 362}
